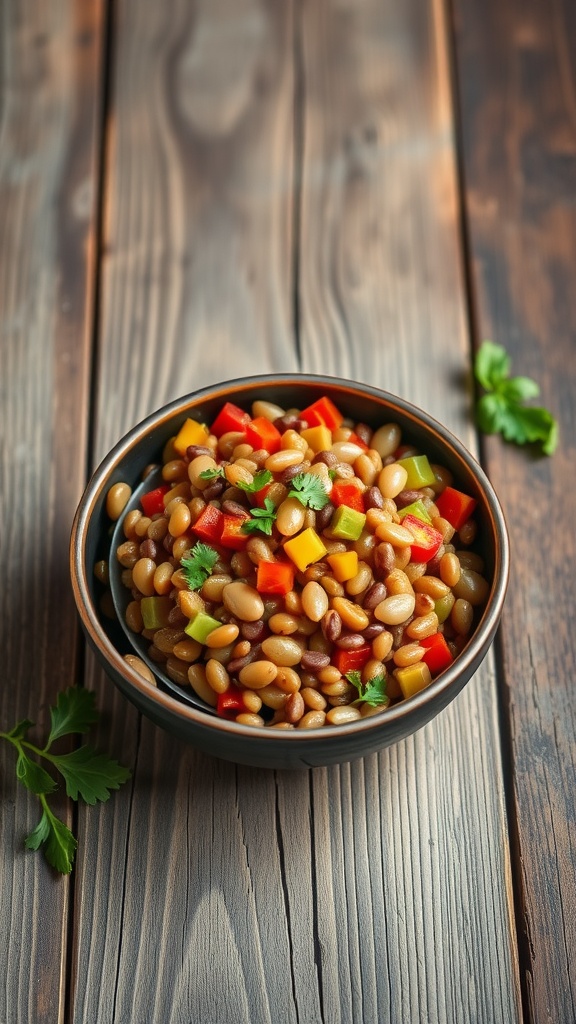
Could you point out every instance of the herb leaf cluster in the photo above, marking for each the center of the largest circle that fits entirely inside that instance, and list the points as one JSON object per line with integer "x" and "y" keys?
{"x": 502, "y": 409}
{"x": 88, "y": 774}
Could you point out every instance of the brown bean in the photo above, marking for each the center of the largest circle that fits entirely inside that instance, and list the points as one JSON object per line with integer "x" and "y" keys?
{"x": 312, "y": 720}
{"x": 350, "y": 641}
{"x": 314, "y": 601}
{"x": 395, "y": 609}
{"x": 253, "y": 631}
{"x": 117, "y": 498}
{"x": 282, "y": 650}
{"x": 128, "y": 553}
{"x": 294, "y": 708}
{"x": 258, "y": 674}
{"x": 243, "y": 601}
{"x": 384, "y": 559}
{"x": 217, "y": 676}
{"x": 331, "y": 625}
{"x": 198, "y": 682}
{"x": 248, "y": 718}
{"x": 312, "y": 661}
{"x": 222, "y": 636}
{"x": 373, "y": 498}
{"x": 472, "y": 587}
{"x": 352, "y": 615}
{"x": 374, "y": 595}
{"x": 140, "y": 667}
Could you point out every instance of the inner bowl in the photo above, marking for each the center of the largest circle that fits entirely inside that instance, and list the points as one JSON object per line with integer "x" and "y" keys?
{"x": 189, "y": 720}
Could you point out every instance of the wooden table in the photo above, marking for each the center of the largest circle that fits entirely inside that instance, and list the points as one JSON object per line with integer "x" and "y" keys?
{"x": 190, "y": 191}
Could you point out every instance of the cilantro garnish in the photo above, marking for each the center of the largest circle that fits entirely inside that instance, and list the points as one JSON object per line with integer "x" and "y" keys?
{"x": 261, "y": 478}
{"x": 88, "y": 774}
{"x": 502, "y": 410}
{"x": 198, "y": 566}
{"x": 309, "y": 490}
{"x": 372, "y": 693}
{"x": 211, "y": 474}
{"x": 262, "y": 519}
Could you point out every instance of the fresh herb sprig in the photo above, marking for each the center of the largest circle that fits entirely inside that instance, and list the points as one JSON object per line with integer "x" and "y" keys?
{"x": 261, "y": 478}
{"x": 373, "y": 692}
{"x": 502, "y": 409}
{"x": 309, "y": 490}
{"x": 262, "y": 519}
{"x": 212, "y": 474}
{"x": 198, "y": 566}
{"x": 88, "y": 774}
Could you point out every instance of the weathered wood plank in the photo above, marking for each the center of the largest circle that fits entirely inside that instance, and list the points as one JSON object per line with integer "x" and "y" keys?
{"x": 517, "y": 79}
{"x": 382, "y": 299}
{"x": 375, "y": 891}
{"x": 49, "y": 97}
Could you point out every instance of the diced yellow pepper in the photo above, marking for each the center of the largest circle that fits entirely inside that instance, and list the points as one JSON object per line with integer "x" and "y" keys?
{"x": 319, "y": 439}
{"x": 305, "y": 548}
{"x": 344, "y": 565}
{"x": 191, "y": 432}
{"x": 413, "y": 678}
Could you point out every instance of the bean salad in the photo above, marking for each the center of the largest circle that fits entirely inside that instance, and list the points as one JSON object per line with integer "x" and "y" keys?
{"x": 297, "y": 569}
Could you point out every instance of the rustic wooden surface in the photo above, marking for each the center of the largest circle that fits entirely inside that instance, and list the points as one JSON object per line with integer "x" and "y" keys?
{"x": 193, "y": 191}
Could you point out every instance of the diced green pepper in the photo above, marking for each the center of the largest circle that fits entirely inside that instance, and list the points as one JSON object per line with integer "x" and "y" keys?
{"x": 420, "y": 472}
{"x": 418, "y": 509}
{"x": 347, "y": 523}
{"x": 201, "y": 626}
{"x": 155, "y": 611}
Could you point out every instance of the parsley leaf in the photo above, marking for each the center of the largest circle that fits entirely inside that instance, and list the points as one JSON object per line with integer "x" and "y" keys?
{"x": 309, "y": 490}
{"x": 211, "y": 474}
{"x": 501, "y": 409}
{"x": 261, "y": 478}
{"x": 75, "y": 711}
{"x": 59, "y": 843}
{"x": 198, "y": 567}
{"x": 87, "y": 773}
{"x": 372, "y": 693}
{"x": 262, "y": 519}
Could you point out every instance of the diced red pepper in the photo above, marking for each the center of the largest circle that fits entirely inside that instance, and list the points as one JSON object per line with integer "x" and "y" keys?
{"x": 345, "y": 493}
{"x": 323, "y": 412}
{"x": 230, "y": 417}
{"x": 438, "y": 655}
{"x": 209, "y": 525}
{"x": 153, "y": 501}
{"x": 259, "y": 496}
{"x": 275, "y": 577}
{"x": 230, "y": 703}
{"x": 455, "y": 506}
{"x": 232, "y": 535}
{"x": 261, "y": 433}
{"x": 349, "y": 661}
{"x": 358, "y": 440}
{"x": 426, "y": 541}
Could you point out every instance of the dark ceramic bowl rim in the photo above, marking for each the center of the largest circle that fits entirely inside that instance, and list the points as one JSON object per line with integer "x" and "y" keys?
{"x": 438, "y": 692}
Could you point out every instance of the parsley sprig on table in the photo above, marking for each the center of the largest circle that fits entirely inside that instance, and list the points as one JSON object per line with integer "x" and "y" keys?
{"x": 502, "y": 409}
{"x": 373, "y": 692}
{"x": 309, "y": 490}
{"x": 197, "y": 567}
{"x": 88, "y": 774}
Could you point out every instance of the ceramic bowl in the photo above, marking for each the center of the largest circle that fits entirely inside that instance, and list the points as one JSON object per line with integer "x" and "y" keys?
{"x": 264, "y": 747}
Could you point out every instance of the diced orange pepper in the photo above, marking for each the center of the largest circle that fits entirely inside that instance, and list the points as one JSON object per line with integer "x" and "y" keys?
{"x": 305, "y": 548}
{"x": 344, "y": 565}
{"x": 319, "y": 438}
{"x": 274, "y": 577}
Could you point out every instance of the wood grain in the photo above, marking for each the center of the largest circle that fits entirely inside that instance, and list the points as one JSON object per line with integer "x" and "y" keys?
{"x": 49, "y": 89}
{"x": 280, "y": 180}
{"x": 382, "y": 295}
{"x": 517, "y": 75}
